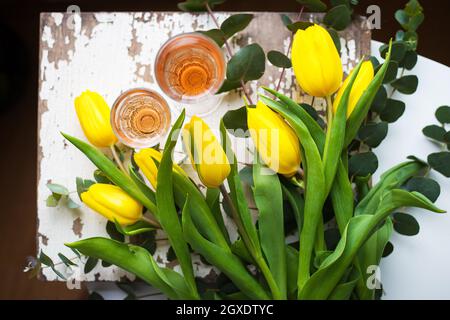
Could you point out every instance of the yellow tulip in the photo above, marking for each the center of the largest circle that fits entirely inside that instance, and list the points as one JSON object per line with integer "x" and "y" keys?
{"x": 113, "y": 203}
{"x": 206, "y": 153}
{"x": 94, "y": 115}
{"x": 362, "y": 81}
{"x": 145, "y": 159}
{"x": 275, "y": 140}
{"x": 316, "y": 62}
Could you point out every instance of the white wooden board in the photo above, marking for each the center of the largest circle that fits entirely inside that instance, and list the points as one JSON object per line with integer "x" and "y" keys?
{"x": 110, "y": 53}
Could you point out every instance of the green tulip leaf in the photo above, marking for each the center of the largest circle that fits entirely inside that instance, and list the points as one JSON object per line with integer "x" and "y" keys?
{"x": 435, "y": 132}
{"x": 405, "y": 224}
{"x": 440, "y": 162}
{"x": 224, "y": 260}
{"x": 426, "y": 186}
{"x": 373, "y": 133}
{"x": 167, "y": 212}
{"x": 236, "y": 122}
{"x": 393, "y": 110}
{"x": 235, "y": 23}
{"x": 389, "y": 180}
{"x": 338, "y": 17}
{"x": 269, "y": 201}
{"x": 359, "y": 229}
{"x": 247, "y": 64}
{"x": 443, "y": 114}
{"x": 363, "y": 164}
{"x": 131, "y": 258}
{"x": 112, "y": 172}
{"x": 279, "y": 59}
{"x": 406, "y": 84}
{"x": 313, "y": 5}
{"x": 198, "y": 5}
{"x": 364, "y": 103}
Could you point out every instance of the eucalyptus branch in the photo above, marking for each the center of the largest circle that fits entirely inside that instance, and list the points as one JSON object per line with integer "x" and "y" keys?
{"x": 229, "y": 51}
{"x": 288, "y": 50}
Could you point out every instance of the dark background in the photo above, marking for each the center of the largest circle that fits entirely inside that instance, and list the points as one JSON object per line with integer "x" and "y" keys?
{"x": 19, "y": 36}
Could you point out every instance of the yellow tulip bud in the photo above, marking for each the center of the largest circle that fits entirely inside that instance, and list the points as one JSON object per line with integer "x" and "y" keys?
{"x": 113, "y": 203}
{"x": 275, "y": 140}
{"x": 145, "y": 159}
{"x": 362, "y": 81}
{"x": 206, "y": 153}
{"x": 316, "y": 62}
{"x": 94, "y": 115}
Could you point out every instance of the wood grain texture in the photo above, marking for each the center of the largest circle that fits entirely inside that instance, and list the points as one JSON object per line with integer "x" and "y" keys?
{"x": 110, "y": 53}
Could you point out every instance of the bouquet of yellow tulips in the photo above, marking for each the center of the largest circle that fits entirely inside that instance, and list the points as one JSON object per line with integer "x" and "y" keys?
{"x": 298, "y": 163}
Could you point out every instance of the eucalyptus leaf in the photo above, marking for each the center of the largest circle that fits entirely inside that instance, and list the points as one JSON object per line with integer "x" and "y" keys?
{"x": 379, "y": 102}
{"x": 435, "y": 132}
{"x": 72, "y": 204}
{"x": 247, "y": 64}
{"x": 406, "y": 84}
{"x": 313, "y": 5}
{"x": 409, "y": 61}
{"x": 216, "y": 34}
{"x": 363, "y": 164}
{"x": 236, "y": 122}
{"x": 373, "y": 133}
{"x": 198, "y": 5}
{"x": 426, "y": 186}
{"x": 443, "y": 114}
{"x": 405, "y": 224}
{"x": 338, "y": 17}
{"x": 299, "y": 25}
{"x": 399, "y": 49}
{"x": 393, "y": 110}
{"x": 90, "y": 264}
{"x": 388, "y": 249}
{"x": 229, "y": 85}
{"x": 58, "y": 189}
{"x": 113, "y": 232}
{"x": 51, "y": 201}
{"x": 279, "y": 59}
{"x": 440, "y": 162}
{"x": 336, "y": 39}
{"x": 235, "y": 23}
{"x": 285, "y": 19}
{"x": 66, "y": 260}
{"x": 391, "y": 73}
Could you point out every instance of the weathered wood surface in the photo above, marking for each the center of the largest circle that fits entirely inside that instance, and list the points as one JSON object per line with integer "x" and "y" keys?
{"x": 110, "y": 53}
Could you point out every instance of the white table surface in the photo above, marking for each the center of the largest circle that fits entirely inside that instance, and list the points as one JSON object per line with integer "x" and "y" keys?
{"x": 419, "y": 267}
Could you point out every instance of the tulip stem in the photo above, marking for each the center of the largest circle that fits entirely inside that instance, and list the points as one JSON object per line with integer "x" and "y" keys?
{"x": 228, "y": 48}
{"x": 329, "y": 112}
{"x": 117, "y": 159}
